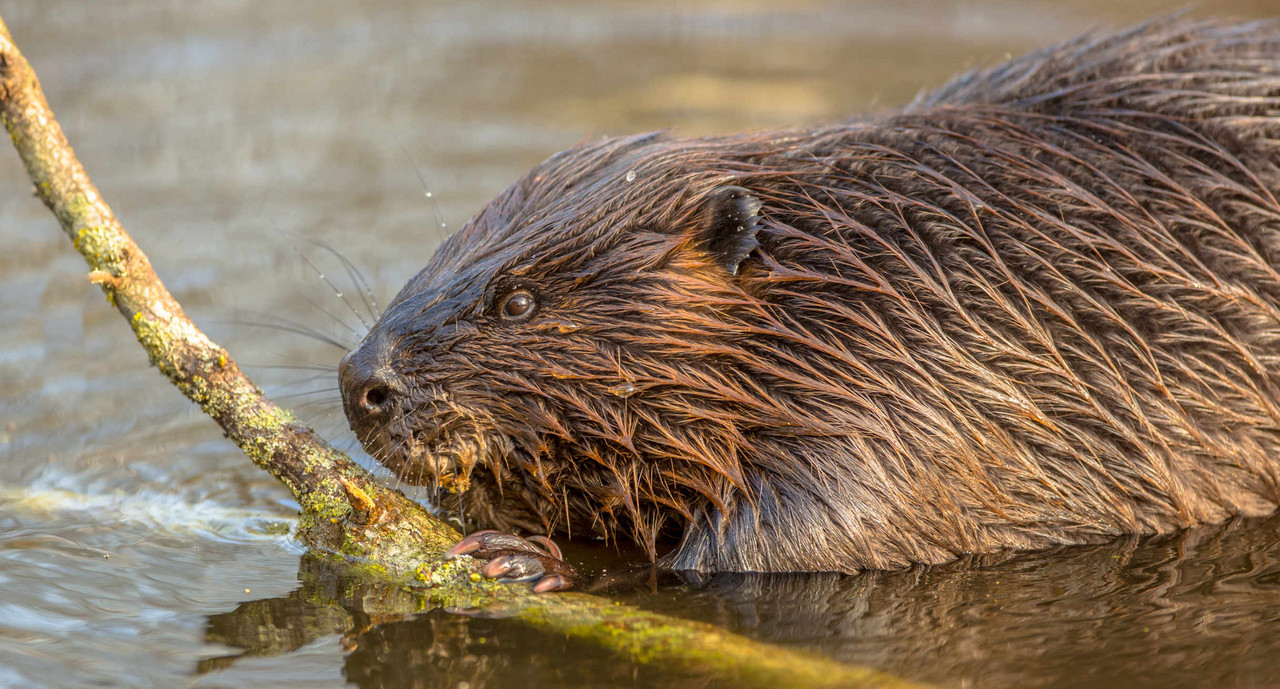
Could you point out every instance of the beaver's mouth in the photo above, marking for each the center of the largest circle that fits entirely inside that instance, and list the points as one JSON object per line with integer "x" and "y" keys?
{"x": 439, "y": 449}
{"x": 443, "y": 461}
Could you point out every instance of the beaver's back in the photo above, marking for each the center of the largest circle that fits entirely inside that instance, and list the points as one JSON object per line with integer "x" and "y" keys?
{"x": 1051, "y": 290}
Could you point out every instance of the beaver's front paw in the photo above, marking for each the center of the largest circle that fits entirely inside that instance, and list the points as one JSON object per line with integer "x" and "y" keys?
{"x": 515, "y": 559}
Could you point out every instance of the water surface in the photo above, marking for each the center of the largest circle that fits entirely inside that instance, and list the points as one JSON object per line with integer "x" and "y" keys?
{"x": 139, "y": 548}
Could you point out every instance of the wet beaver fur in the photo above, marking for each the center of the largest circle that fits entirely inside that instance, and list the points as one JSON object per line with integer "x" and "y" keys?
{"x": 1038, "y": 306}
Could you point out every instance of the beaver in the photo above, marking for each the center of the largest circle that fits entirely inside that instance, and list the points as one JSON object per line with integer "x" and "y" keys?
{"x": 1038, "y": 306}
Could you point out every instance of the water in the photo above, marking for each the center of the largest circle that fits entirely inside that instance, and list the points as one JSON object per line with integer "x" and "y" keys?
{"x": 139, "y": 548}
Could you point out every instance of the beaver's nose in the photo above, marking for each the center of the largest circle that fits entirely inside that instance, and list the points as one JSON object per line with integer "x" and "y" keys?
{"x": 370, "y": 388}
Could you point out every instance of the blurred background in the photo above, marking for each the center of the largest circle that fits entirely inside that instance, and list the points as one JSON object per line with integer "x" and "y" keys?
{"x": 236, "y": 138}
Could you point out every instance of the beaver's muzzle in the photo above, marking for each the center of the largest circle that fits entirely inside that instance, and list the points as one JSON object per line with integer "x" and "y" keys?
{"x": 415, "y": 432}
{"x": 371, "y": 390}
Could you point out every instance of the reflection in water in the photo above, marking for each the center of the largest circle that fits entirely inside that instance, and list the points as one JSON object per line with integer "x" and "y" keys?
{"x": 440, "y": 649}
{"x": 390, "y": 640}
{"x": 1196, "y": 608}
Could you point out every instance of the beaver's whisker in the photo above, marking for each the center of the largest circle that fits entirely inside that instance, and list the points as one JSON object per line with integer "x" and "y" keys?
{"x": 426, "y": 190}
{"x": 357, "y": 278}
{"x": 332, "y": 316}
{"x": 326, "y": 368}
{"x": 323, "y": 277}
{"x": 296, "y": 328}
{"x": 335, "y": 397}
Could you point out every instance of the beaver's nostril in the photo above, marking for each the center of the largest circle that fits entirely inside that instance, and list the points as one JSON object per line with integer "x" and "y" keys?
{"x": 375, "y": 397}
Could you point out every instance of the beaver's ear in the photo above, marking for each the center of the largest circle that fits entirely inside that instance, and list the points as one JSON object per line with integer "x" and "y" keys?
{"x": 730, "y": 219}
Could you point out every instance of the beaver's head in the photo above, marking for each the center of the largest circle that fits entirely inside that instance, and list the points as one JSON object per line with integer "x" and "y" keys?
{"x": 564, "y": 360}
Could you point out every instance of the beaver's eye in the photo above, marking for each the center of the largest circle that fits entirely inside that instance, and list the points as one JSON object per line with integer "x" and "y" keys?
{"x": 517, "y": 306}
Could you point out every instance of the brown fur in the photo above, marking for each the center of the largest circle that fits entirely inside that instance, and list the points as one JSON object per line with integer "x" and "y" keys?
{"x": 1038, "y": 306}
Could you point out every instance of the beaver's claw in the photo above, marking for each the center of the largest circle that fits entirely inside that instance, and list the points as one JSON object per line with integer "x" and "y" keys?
{"x": 515, "y": 559}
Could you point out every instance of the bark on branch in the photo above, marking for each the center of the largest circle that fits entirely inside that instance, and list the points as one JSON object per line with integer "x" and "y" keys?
{"x": 344, "y": 510}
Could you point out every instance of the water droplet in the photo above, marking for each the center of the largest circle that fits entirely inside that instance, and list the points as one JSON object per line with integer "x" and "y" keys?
{"x": 444, "y": 225}
{"x": 623, "y": 390}
{"x": 631, "y": 175}
{"x": 568, "y": 327}
{"x": 428, "y": 194}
